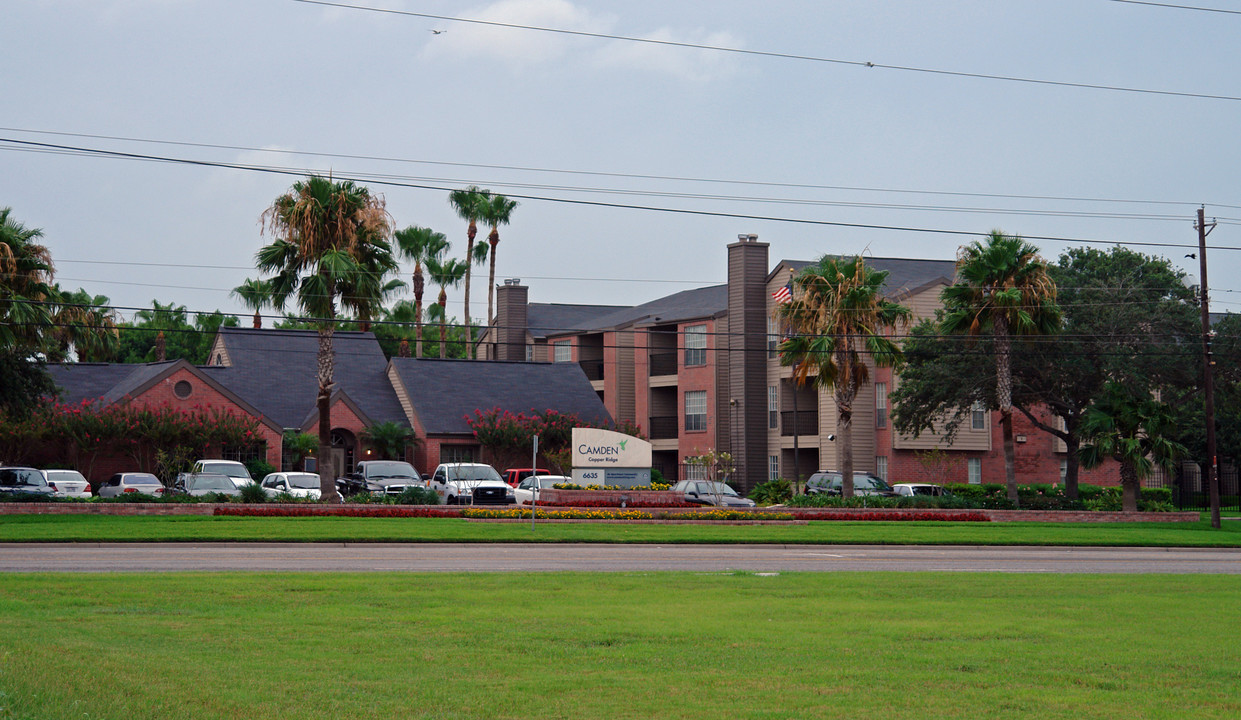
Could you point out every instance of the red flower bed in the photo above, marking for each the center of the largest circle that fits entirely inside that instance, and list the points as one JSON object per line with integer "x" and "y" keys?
{"x": 380, "y": 511}
{"x": 614, "y": 504}
{"x": 889, "y": 515}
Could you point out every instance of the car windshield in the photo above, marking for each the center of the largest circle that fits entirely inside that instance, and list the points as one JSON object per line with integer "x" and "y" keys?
{"x": 304, "y": 481}
{"x": 392, "y": 469}
{"x": 473, "y": 472}
{"x": 61, "y": 475}
{"x": 229, "y": 468}
{"x": 212, "y": 482}
{"x": 22, "y": 477}
{"x": 142, "y": 479}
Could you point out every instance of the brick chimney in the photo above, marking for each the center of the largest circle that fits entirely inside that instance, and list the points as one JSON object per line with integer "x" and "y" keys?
{"x": 512, "y": 320}
{"x": 747, "y": 357}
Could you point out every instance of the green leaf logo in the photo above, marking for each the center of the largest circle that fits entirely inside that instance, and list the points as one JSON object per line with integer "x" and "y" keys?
{"x": 622, "y": 444}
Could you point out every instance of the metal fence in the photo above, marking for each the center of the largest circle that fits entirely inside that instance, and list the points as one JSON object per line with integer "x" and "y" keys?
{"x": 1189, "y": 487}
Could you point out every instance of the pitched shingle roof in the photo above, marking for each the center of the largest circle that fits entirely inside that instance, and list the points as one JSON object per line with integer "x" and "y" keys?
{"x": 685, "y": 305}
{"x": 444, "y": 392}
{"x": 904, "y": 274}
{"x": 277, "y": 371}
{"x": 93, "y": 381}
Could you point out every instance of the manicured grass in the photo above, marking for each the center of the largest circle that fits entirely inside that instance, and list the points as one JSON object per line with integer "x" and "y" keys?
{"x": 91, "y": 528}
{"x": 583, "y": 646}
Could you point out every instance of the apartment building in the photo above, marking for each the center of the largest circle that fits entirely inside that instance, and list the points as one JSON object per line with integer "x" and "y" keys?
{"x": 698, "y": 370}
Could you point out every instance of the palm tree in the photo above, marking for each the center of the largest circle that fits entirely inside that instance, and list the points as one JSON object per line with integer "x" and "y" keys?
{"x": 366, "y": 292}
{"x": 1128, "y": 425}
{"x": 389, "y": 439}
{"x": 446, "y": 273}
{"x": 421, "y": 245}
{"x": 328, "y": 234}
{"x": 25, "y": 284}
{"x": 497, "y": 211}
{"x": 1002, "y": 288}
{"x": 470, "y": 204}
{"x": 837, "y": 314}
{"x": 86, "y": 323}
{"x": 254, "y": 294}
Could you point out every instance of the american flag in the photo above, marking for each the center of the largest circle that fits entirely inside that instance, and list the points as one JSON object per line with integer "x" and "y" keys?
{"x": 783, "y": 295}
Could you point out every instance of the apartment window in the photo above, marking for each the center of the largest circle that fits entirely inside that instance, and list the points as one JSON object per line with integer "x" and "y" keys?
{"x": 773, "y": 467}
{"x": 978, "y": 416}
{"x": 696, "y": 410}
{"x": 696, "y": 345}
{"x": 881, "y": 466}
{"x": 457, "y": 453}
{"x": 1064, "y": 468}
{"x": 773, "y": 407}
{"x": 975, "y": 466}
{"x": 773, "y": 337}
{"x": 563, "y": 351}
{"x": 529, "y": 353}
{"x": 881, "y": 406}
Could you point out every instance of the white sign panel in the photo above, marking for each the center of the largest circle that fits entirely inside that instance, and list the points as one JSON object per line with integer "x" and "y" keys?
{"x": 594, "y": 448}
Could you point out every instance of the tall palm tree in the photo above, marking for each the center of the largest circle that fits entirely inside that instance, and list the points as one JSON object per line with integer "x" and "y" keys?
{"x": 470, "y": 204}
{"x": 836, "y": 319}
{"x": 1128, "y": 425}
{"x": 327, "y": 236}
{"x": 254, "y": 294}
{"x": 1002, "y": 289}
{"x": 446, "y": 273}
{"x": 25, "y": 284}
{"x": 421, "y": 245}
{"x": 364, "y": 295}
{"x": 497, "y": 211}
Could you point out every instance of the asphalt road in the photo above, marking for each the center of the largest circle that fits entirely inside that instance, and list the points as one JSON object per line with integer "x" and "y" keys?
{"x": 368, "y": 557}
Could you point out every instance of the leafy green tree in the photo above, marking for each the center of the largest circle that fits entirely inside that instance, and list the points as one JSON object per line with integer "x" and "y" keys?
{"x": 837, "y": 320}
{"x": 497, "y": 211}
{"x": 421, "y": 245}
{"x": 184, "y": 339}
{"x": 1126, "y": 424}
{"x": 1003, "y": 289}
{"x": 470, "y": 205}
{"x": 24, "y": 381}
{"x": 83, "y": 325}
{"x": 26, "y": 272}
{"x": 330, "y": 237}
{"x": 389, "y": 439}
{"x": 298, "y": 446}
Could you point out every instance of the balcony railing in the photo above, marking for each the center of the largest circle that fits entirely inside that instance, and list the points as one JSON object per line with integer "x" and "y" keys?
{"x": 664, "y": 428}
{"x": 663, "y": 364}
{"x": 593, "y": 369}
{"x": 807, "y": 423}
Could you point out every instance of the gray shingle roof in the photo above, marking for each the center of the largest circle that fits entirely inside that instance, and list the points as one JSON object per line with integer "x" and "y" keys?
{"x": 92, "y": 381}
{"x": 276, "y": 371}
{"x": 444, "y": 392}
{"x": 904, "y": 274}
{"x": 685, "y": 305}
{"x": 552, "y": 318}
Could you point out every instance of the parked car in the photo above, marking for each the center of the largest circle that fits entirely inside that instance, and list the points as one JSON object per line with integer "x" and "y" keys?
{"x": 131, "y": 482}
{"x": 926, "y": 489}
{"x": 513, "y": 476}
{"x": 67, "y": 483}
{"x": 470, "y": 483}
{"x": 864, "y": 483}
{"x": 296, "y": 484}
{"x": 391, "y": 477}
{"x": 199, "y": 484}
{"x": 23, "y": 481}
{"x": 235, "y": 470}
{"x": 705, "y": 492}
{"x": 527, "y": 491}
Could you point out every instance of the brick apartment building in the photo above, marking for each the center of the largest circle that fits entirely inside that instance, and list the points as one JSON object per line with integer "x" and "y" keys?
{"x": 698, "y": 370}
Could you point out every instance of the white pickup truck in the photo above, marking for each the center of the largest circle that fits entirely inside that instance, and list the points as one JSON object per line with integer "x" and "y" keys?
{"x": 470, "y": 484}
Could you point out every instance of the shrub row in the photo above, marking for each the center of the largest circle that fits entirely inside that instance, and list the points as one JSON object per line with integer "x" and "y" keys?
{"x": 378, "y": 511}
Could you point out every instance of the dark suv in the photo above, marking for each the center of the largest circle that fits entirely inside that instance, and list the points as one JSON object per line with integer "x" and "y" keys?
{"x": 864, "y": 483}
{"x": 23, "y": 481}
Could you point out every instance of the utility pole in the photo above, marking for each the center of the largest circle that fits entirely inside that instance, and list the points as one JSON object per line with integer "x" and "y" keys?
{"x": 1208, "y": 370}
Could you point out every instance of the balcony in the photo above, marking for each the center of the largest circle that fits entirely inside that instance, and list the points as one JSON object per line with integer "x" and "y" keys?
{"x": 663, "y": 364}
{"x": 593, "y": 369}
{"x": 664, "y": 428}
{"x": 807, "y": 423}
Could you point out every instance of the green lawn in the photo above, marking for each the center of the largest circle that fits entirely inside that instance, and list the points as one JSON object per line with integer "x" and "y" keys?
{"x": 90, "y": 528}
{"x": 582, "y": 646}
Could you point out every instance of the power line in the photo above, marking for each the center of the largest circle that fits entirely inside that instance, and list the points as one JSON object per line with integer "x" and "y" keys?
{"x": 628, "y": 176}
{"x": 1180, "y": 7}
{"x": 596, "y": 203}
{"x": 779, "y": 55}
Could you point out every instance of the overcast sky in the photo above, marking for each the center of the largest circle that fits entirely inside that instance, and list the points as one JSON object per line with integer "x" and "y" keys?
{"x": 281, "y": 84}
